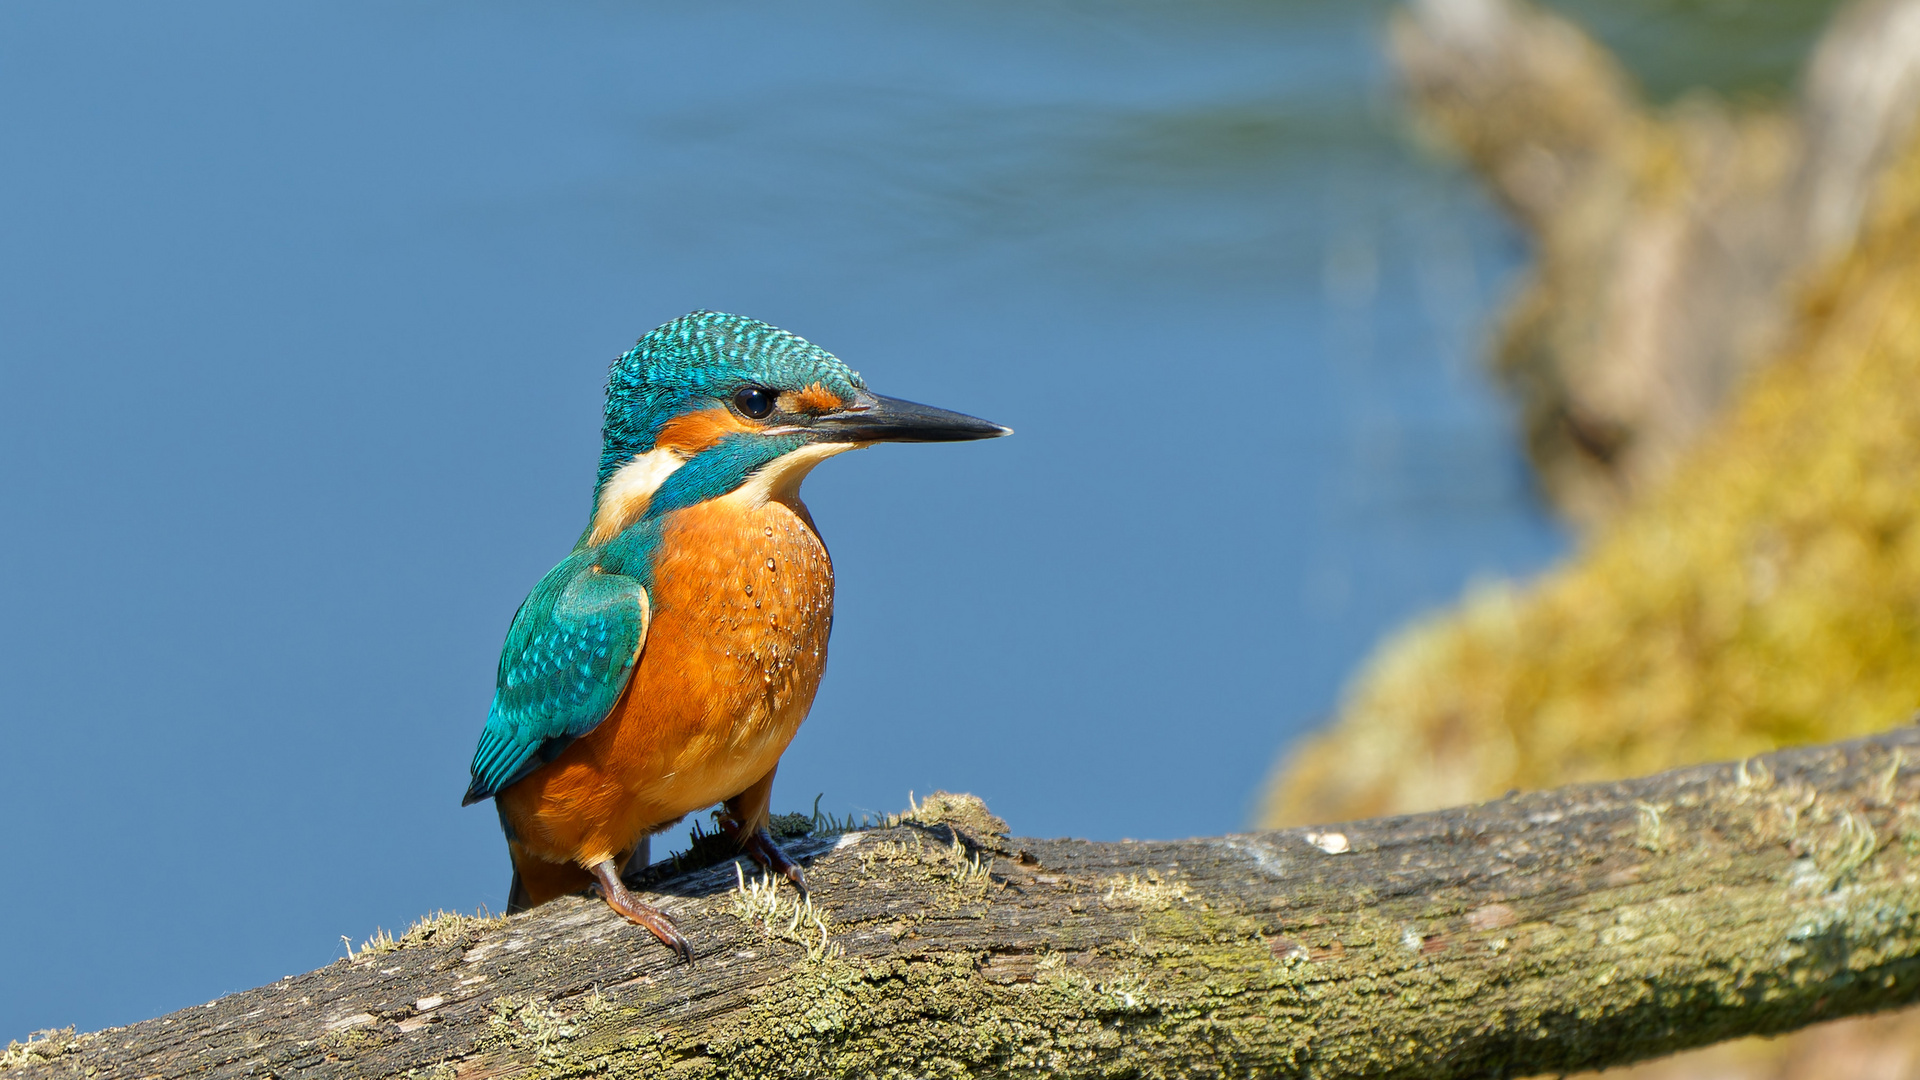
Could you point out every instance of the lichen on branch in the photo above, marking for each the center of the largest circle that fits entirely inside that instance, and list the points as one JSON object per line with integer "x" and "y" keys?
{"x": 1542, "y": 932}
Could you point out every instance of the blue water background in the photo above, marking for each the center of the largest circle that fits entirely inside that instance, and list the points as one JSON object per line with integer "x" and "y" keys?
{"x": 306, "y": 310}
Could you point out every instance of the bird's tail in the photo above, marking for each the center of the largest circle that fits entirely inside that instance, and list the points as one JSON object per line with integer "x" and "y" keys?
{"x": 517, "y": 898}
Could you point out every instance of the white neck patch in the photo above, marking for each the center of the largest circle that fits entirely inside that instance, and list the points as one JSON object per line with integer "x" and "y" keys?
{"x": 629, "y": 491}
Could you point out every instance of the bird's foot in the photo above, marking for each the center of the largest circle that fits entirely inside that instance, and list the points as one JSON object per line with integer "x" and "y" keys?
{"x": 761, "y": 848}
{"x": 656, "y": 921}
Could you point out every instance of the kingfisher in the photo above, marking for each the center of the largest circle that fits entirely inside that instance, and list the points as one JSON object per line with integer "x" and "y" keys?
{"x": 664, "y": 665}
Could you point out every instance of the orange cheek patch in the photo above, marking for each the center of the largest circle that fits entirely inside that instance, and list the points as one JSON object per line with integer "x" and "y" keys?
{"x": 690, "y": 433}
{"x": 813, "y": 399}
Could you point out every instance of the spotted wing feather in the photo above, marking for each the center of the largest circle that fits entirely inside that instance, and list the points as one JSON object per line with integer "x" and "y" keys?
{"x": 569, "y": 654}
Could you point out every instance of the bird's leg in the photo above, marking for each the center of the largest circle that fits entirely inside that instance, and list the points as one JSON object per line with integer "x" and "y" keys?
{"x": 761, "y": 848}
{"x": 619, "y": 899}
{"x": 744, "y": 818}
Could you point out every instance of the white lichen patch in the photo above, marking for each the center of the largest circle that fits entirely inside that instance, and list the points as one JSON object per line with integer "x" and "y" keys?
{"x": 1885, "y": 791}
{"x": 1652, "y": 833}
{"x": 531, "y": 1022}
{"x": 379, "y": 944}
{"x": 955, "y": 859}
{"x": 781, "y": 913}
{"x": 1830, "y": 839}
{"x": 441, "y": 925}
{"x": 1149, "y": 892}
{"x": 1852, "y": 843}
{"x": 939, "y": 808}
{"x": 1129, "y": 991}
{"x": 433, "y": 929}
{"x": 1753, "y": 774}
{"x": 967, "y": 866}
{"x": 39, "y": 1047}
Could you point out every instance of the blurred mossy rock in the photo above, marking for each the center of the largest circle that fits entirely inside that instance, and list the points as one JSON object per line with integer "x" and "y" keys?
{"x": 1767, "y": 594}
{"x": 1760, "y": 591}
{"x": 1668, "y": 241}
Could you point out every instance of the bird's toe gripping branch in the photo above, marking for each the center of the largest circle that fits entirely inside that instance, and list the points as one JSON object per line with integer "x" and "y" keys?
{"x": 762, "y": 849}
{"x": 760, "y": 846}
{"x": 615, "y": 893}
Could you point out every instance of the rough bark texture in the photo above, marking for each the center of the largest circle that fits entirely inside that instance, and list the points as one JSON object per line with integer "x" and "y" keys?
{"x": 1541, "y": 932}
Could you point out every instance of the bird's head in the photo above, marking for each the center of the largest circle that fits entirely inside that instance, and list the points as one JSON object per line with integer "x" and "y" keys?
{"x": 711, "y": 403}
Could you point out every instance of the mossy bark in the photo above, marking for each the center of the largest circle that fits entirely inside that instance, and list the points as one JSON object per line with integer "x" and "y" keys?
{"x": 1552, "y": 931}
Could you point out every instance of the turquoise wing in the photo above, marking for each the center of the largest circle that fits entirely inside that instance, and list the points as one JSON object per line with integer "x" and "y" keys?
{"x": 569, "y": 654}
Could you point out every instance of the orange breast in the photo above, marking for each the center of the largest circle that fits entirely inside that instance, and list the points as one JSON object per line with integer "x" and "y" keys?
{"x": 742, "y": 604}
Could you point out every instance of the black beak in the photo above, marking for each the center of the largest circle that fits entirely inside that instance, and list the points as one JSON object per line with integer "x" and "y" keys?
{"x": 873, "y": 418}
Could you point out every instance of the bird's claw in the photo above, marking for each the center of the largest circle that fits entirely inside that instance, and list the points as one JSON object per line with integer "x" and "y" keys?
{"x": 759, "y": 846}
{"x": 762, "y": 849}
{"x": 657, "y": 922}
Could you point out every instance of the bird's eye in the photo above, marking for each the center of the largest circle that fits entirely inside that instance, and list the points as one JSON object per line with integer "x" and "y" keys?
{"x": 754, "y": 401}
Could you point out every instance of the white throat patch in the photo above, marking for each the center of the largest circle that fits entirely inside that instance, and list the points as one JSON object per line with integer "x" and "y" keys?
{"x": 779, "y": 480}
{"x": 630, "y": 490}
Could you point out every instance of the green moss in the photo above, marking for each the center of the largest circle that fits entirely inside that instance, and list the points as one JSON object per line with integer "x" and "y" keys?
{"x": 1198, "y": 990}
{"x": 438, "y": 929}
{"x": 1194, "y": 986}
{"x": 41, "y": 1047}
{"x": 1767, "y": 595}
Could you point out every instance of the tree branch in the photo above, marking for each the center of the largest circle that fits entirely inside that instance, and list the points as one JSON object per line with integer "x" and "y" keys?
{"x": 1568, "y": 929}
